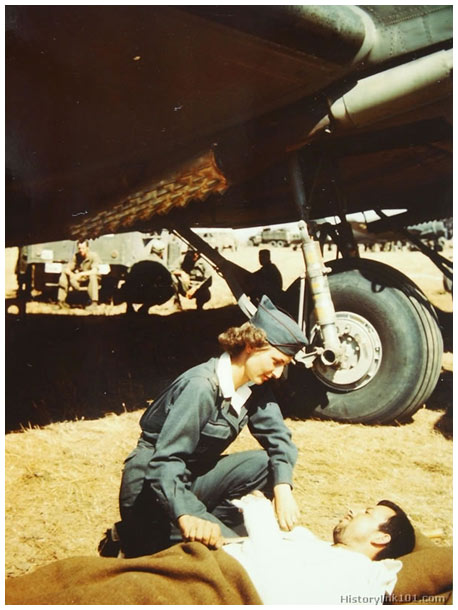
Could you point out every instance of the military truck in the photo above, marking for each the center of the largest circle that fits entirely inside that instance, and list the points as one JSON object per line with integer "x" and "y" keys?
{"x": 434, "y": 233}
{"x": 276, "y": 237}
{"x": 40, "y": 265}
{"x": 220, "y": 240}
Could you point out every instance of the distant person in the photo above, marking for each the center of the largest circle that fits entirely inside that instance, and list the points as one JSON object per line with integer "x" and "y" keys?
{"x": 81, "y": 273}
{"x": 194, "y": 278}
{"x": 267, "y": 280}
{"x": 157, "y": 249}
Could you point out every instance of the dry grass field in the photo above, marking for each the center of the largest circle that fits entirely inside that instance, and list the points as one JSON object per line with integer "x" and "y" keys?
{"x": 75, "y": 386}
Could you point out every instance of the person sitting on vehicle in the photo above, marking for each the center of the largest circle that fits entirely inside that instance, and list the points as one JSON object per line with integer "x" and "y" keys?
{"x": 177, "y": 484}
{"x": 193, "y": 279}
{"x": 266, "y": 280}
{"x": 82, "y": 269}
{"x": 269, "y": 566}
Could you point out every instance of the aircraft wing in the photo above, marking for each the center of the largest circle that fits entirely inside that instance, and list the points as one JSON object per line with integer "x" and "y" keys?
{"x": 124, "y": 118}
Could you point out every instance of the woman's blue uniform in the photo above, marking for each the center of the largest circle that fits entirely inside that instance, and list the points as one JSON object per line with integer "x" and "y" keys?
{"x": 177, "y": 467}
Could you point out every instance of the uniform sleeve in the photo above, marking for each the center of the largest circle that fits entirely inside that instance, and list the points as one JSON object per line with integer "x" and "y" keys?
{"x": 72, "y": 263}
{"x": 95, "y": 260}
{"x": 267, "y": 426}
{"x": 177, "y": 441}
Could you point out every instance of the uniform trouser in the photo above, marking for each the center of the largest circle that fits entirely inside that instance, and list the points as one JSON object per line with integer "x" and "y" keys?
{"x": 202, "y": 296}
{"x": 66, "y": 281}
{"x": 146, "y": 528}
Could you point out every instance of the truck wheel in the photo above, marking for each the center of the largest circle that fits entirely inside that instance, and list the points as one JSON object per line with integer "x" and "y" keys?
{"x": 24, "y": 291}
{"x": 24, "y": 282}
{"x": 392, "y": 348}
{"x": 280, "y": 243}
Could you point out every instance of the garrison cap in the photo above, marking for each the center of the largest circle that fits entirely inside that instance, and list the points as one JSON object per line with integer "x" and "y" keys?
{"x": 281, "y": 329}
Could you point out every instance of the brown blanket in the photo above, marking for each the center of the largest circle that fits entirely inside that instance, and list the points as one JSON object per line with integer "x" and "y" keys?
{"x": 187, "y": 573}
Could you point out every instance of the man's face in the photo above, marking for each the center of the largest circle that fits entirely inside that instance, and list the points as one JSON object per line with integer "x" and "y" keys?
{"x": 83, "y": 248}
{"x": 360, "y": 526}
{"x": 265, "y": 363}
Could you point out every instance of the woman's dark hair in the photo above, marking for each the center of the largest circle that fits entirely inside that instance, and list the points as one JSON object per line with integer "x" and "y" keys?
{"x": 401, "y": 531}
{"x": 236, "y": 337}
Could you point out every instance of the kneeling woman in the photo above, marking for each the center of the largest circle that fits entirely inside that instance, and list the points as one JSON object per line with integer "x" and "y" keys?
{"x": 176, "y": 484}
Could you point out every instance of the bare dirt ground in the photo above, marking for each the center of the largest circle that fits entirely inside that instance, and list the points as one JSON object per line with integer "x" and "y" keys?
{"x": 84, "y": 379}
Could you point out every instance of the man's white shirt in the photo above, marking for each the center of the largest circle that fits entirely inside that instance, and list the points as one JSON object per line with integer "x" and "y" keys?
{"x": 298, "y": 568}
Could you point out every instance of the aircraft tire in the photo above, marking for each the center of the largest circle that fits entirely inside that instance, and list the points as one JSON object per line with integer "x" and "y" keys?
{"x": 403, "y": 327}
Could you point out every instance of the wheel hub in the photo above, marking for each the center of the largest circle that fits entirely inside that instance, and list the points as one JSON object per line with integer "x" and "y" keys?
{"x": 361, "y": 353}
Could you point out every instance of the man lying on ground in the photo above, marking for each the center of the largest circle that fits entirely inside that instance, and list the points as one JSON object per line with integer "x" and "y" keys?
{"x": 269, "y": 566}
{"x": 298, "y": 568}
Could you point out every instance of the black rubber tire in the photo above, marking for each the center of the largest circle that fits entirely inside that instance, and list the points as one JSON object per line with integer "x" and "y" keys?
{"x": 148, "y": 282}
{"x": 411, "y": 343}
{"x": 24, "y": 291}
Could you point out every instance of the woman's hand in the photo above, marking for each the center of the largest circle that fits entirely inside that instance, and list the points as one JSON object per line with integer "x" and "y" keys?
{"x": 285, "y": 506}
{"x": 194, "y": 529}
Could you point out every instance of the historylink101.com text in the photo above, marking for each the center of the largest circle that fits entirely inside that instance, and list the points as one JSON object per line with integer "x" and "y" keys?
{"x": 405, "y": 598}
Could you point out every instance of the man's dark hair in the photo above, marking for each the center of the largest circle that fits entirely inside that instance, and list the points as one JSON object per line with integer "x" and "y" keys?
{"x": 264, "y": 255}
{"x": 82, "y": 240}
{"x": 401, "y": 531}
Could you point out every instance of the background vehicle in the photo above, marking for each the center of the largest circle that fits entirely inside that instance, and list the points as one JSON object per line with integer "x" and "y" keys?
{"x": 220, "y": 240}
{"x": 40, "y": 265}
{"x": 434, "y": 233}
{"x": 276, "y": 237}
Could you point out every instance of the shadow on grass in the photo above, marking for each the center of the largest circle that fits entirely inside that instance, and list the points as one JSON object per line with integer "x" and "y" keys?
{"x": 442, "y": 400}
{"x": 445, "y": 319}
{"x": 61, "y": 367}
